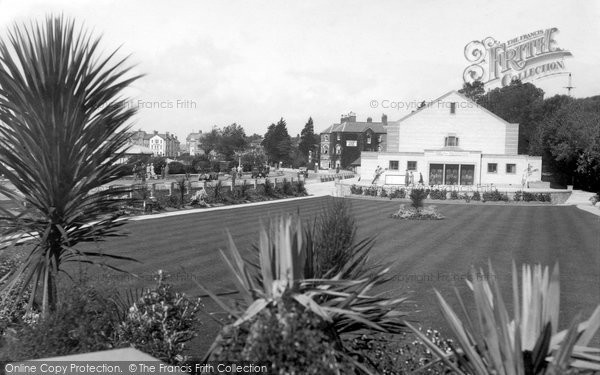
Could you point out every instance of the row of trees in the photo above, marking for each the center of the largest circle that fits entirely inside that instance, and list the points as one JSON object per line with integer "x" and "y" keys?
{"x": 231, "y": 143}
{"x": 564, "y": 130}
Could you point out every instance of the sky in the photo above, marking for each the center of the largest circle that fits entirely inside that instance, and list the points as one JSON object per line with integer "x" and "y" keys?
{"x": 212, "y": 63}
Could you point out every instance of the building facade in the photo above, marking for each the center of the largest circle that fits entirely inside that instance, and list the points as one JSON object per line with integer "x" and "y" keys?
{"x": 452, "y": 141}
{"x": 164, "y": 144}
{"x": 342, "y": 144}
{"x": 193, "y": 143}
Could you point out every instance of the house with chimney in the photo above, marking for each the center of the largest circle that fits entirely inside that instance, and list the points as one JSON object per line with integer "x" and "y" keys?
{"x": 164, "y": 144}
{"x": 341, "y": 144}
{"x": 452, "y": 141}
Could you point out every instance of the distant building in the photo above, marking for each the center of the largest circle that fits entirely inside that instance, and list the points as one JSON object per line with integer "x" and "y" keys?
{"x": 141, "y": 138}
{"x": 341, "y": 144}
{"x": 193, "y": 143}
{"x": 164, "y": 144}
{"x": 452, "y": 141}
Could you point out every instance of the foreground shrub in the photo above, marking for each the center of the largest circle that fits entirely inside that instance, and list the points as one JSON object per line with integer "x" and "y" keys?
{"x": 82, "y": 322}
{"x": 286, "y": 337}
{"x": 476, "y": 196}
{"x": 160, "y": 322}
{"x": 488, "y": 343}
{"x": 454, "y": 195}
{"x": 284, "y": 273}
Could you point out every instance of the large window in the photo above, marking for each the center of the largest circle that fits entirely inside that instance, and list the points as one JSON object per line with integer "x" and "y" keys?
{"x": 394, "y": 165}
{"x": 511, "y": 168}
{"x": 411, "y": 165}
{"x": 368, "y": 139}
{"x": 451, "y": 141}
{"x": 492, "y": 168}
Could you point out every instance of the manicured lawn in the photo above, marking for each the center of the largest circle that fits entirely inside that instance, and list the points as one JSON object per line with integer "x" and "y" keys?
{"x": 422, "y": 254}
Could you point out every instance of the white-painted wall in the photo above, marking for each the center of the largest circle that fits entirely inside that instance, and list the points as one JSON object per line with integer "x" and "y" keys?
{"x": 476, "y": 128}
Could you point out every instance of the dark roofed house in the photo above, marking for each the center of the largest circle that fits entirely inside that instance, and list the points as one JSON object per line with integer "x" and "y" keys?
{"x": 341, "y": 144}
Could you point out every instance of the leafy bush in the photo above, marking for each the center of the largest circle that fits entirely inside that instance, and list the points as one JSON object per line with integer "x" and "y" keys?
{"x": 398, "y": 193}
{"x": 290, "y": 339}
{"x": 82, "y": 322}
{"x": 174, "y": 201}
{"x": 417, "y": 196}
{"x": 355, "y": 189}
{"x": 371, "y": 191}
{"x": 160, "y": 322}
{"x": 476, "y": 196}
{"x": 489, "y": 343}
{"x": 494, "y": 196}
{"x": 454, "y": 195}
{"x": 287, "y": 188}
{"x": 216, "y": 194}
{"x": 13, "y": 307}
{"x": 300, "y": 188}
{"x": 384, "y": 193}
{"x": 269, "y": 189}
{"x": 543, "y": 197}
{"x": 467, "y": 198}
{"x": 176, "y": 167}
{"x": 595, "y": 199}
{"x": 438, "y": 194}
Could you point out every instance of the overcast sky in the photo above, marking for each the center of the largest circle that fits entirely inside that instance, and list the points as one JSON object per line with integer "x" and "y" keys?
{"x": 252, "y": 62}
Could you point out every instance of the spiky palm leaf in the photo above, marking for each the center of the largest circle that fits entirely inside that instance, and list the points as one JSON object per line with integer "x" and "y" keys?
{"x": 62, "y": 131}
{"x": 491, "y": 343}
{"x": 345, "y": 304}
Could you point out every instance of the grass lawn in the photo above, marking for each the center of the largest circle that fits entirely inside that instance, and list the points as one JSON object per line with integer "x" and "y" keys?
{"x": 422, "y": 254}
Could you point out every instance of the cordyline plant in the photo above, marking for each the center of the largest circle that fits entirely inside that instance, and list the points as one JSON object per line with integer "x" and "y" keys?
{"x": 491, "y": 343}
{"x": 281, "y": 273}
{"x": 62, "y": 132}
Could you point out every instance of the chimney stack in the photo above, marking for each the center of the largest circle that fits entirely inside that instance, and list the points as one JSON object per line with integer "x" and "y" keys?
{"x": 369, "y": 119}
{"x": 384, "y": 119}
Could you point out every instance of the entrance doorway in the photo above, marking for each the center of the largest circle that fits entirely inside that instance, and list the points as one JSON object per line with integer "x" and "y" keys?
{"x": 451, "y": 174}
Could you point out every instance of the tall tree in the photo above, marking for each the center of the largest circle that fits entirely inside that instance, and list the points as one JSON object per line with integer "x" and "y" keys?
{"x": 516, "y": 103}
{"x": 277, "y": 142}
{"x": 571, "y": 137}
{"x": 474, "y": 91}
{"x": 308, "y": 139}
{"x": 62, "y": 117}
{"x": 233, "y": 139}
{"x": 210, "y": 141}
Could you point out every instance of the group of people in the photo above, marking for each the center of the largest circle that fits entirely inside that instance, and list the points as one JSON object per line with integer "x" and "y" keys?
{"x": 149, "y": 173}
{"x": 409, "y": 177}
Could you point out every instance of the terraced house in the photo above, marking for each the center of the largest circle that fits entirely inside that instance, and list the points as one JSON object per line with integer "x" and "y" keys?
{"x": 452, "y": 141}
{"x": 341, "y": 144}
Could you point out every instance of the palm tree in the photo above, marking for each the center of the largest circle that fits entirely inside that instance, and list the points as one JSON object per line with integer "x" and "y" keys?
{"x": 62, "y": 130}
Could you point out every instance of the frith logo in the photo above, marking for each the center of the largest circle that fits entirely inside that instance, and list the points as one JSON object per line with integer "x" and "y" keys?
{"x": 530, "y": 56}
